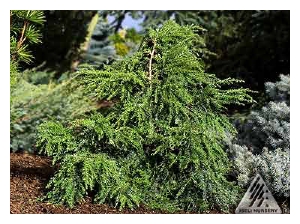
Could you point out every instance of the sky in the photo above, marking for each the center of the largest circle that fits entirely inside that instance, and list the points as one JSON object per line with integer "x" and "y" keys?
{"x": 128, "y": 22}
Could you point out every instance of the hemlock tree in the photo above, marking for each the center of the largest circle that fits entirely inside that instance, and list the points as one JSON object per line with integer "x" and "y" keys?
{"x": 159, "y": 143}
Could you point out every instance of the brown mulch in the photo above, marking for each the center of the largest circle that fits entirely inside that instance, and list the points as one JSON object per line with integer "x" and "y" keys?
{"x": 29, "y": 175}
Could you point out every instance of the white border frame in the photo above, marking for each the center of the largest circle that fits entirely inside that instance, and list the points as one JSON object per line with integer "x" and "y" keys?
{"x": 147, "y": 5}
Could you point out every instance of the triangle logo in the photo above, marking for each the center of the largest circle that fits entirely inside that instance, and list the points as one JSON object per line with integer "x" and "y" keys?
{"x": 258, "y": 199}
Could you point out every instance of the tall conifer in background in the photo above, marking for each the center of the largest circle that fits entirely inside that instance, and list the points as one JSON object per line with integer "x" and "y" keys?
{"x": 100, "y": 49}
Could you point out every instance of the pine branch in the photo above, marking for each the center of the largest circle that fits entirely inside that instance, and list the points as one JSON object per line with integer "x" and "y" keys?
{"x": 21, "y": 40}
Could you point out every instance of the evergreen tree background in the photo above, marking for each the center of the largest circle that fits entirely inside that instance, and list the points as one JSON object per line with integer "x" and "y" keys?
{"x": 64, "y": 32}
{"x": 251, "y": 45}
{"x": 100, "y": 50}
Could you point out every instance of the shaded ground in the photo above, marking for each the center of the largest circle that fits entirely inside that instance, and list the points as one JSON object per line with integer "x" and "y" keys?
{"x": 29, "y": 175}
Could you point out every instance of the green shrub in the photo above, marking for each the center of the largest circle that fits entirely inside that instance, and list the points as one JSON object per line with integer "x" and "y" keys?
{"x": 159, "y": 143}
{"x": 32, "y": 104}
{"x": 37, "y": 77}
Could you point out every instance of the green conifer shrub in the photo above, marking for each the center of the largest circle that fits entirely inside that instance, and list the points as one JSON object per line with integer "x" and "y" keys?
{"x": 159, "y": 142}
{"x": 33, "y": 104}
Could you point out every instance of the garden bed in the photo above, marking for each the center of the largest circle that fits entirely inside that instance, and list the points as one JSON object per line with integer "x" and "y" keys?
{"x": 29, "y": 175}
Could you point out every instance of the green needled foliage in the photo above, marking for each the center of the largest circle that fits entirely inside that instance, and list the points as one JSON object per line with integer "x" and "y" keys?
{"x": 24, "y": 31}
{"x": 159, "y": 143}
